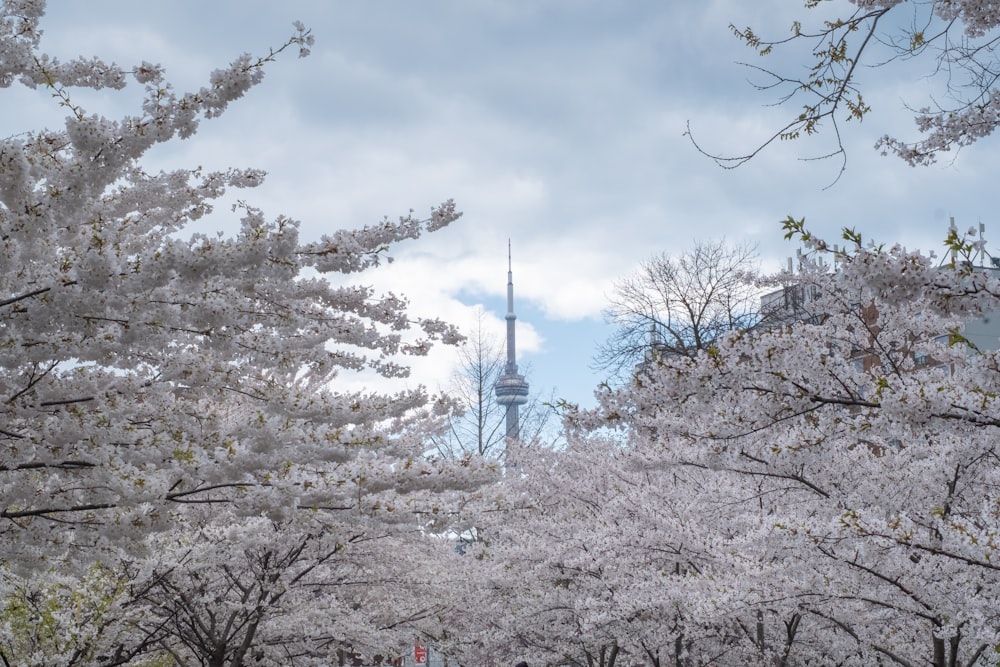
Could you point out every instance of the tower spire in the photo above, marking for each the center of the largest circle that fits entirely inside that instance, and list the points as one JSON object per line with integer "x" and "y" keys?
{"x": 511, "y": 388}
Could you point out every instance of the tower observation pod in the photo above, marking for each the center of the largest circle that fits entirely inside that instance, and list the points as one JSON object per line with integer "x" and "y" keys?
{"x": 511, "y": 389}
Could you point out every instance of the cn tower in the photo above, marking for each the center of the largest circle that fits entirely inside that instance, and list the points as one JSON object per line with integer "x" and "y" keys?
{"x": 511, "y": 389}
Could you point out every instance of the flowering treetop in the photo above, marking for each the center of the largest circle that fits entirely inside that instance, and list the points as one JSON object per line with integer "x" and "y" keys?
{"x": 151, "y": 369}
{"x": 842, "y": 465}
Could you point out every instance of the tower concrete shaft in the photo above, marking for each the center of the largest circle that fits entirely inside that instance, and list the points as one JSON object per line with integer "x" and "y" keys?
{"x": 511, "y": 389}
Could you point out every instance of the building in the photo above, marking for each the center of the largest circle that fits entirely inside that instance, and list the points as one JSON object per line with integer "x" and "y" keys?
{"x": 795, "y": 303}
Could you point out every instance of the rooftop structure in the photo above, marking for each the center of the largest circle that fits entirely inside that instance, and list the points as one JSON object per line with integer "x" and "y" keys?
{"x": 511, "y": 389}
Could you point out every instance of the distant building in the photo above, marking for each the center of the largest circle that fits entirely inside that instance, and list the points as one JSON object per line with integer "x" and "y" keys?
{"x": 795, "y": 303}
{"x": 983, "y": 332}
{"x": 511, "y": 389}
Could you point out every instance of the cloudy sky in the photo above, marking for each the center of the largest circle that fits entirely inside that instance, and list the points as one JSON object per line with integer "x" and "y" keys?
{"x": 557, "y": 124}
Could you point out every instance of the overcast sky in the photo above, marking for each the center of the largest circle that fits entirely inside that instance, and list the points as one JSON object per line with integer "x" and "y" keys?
{"x": 557, "y": 124}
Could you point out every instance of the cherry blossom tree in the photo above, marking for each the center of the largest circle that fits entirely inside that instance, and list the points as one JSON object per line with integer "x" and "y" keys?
{"x": 600, "y": 554}
{"x": 818, "y": 491}
{"x": 259, "y": 592}
{"x": 957, "y": 40}
{"x": 555, "y": 573}
{"x": 250, "y": 591}
{"x": 73, "y": 620}
{"x": 166, "y": 388}
{"x": 142, "y": 371}
{"x": 849, "y": 463}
